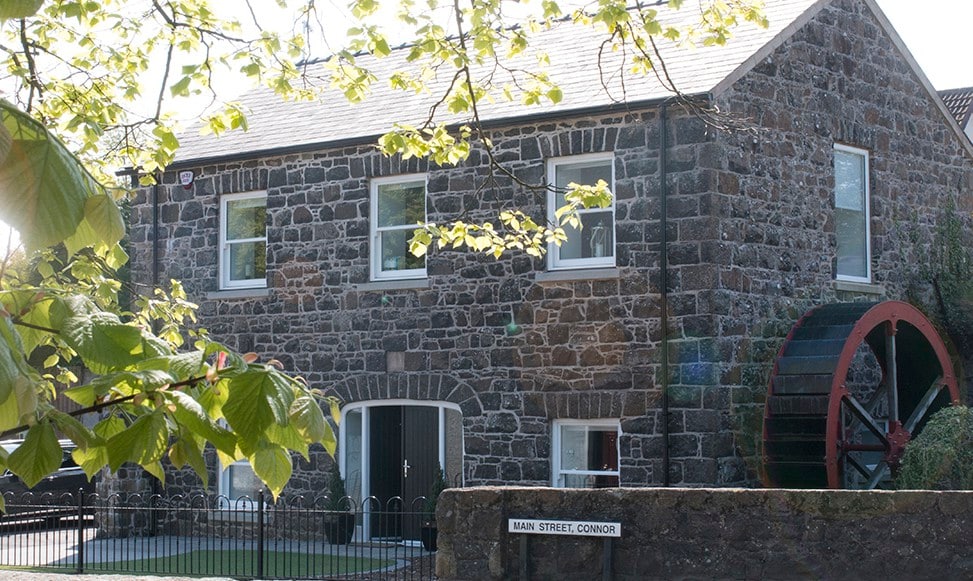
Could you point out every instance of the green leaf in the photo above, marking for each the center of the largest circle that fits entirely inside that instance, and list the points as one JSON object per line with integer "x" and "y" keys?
{"x": 288, "y": 437}
{"x": 143, "y": 443}
{"x": 181, "y": 88}
{"x": 102, "y": 225}
{"x": 307, "y": 417}
{"x": 257, "y": 398}
{"x": 330, "y": 440}
{"x": 109, "y": 427}
{"x": 38, "y": 456}
{"x": 10, "y": 371}
{"x": 9, "y": 413}
{"x": 10, "y": 9}
{"x": 84, "y": 395}
{"x": 103, "y": 341}
{"x": 155, "y": 469}
{"x": 187, "y": 452}
{"x": 95, "y": 457}
{"x": 32, "y": 311}
{"x": 43, "y": 188}
{"x": 191, "y": 414}
{"x": 181, "y": 365}
{"x": 272, "y": 465}
{"x": 91, "y": 460}
{"x": 75, "y": 431}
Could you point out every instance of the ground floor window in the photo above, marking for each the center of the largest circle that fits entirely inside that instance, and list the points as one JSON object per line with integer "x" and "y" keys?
{"x": 239, "y": 485}
{"x": 585, "y": 453}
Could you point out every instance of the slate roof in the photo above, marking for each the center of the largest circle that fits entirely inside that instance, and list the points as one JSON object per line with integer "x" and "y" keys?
{"x": 275, "y": 125}
{"x": 960, "y": 103}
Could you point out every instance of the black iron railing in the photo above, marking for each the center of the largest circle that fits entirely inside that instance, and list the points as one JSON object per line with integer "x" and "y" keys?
{"x": 293, "y": 538}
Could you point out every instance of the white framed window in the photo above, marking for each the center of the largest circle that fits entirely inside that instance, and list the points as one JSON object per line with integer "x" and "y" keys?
{"x": 239, "y": 486}
{"x": 593, "y": 245}
{"x": 851, "y": 202}
{"x": 398, "y": 206}
{"x": 585, "y": 453}
{"x": 243, "y": 240}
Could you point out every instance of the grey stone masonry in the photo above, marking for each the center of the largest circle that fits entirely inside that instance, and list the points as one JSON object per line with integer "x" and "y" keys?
{"x": 751, "y": 248}
{"x": 707, "y": 534}
{"x": 585, "y": 347}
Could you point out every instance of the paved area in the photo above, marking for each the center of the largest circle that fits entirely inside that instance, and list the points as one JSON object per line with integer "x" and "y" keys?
{"x": 22, "y": 576}
{"x": 60, "y": 548}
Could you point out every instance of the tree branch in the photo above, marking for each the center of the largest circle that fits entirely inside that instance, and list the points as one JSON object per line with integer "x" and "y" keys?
{"x": 105, "y": 404}
{"x": 18, "y": 321}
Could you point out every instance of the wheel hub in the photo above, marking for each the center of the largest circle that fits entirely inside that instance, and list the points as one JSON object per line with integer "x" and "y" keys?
{"x": 898, "y": 438}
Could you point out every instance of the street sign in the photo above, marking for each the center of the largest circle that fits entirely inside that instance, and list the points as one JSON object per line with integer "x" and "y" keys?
{"x": 564, "y": 527}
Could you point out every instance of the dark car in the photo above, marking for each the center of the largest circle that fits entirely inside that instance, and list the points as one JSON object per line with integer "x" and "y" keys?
{"x": 47, "y": 498}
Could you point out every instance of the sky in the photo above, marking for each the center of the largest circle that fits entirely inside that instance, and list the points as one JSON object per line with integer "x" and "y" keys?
{"x": 933, "y": 30}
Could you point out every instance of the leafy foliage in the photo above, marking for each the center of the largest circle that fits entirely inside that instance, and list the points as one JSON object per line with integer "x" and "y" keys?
{"x": 950, "y": 271}
{"x": 337, "y": 495}
{"x": 941, "y": 456}
{"x": 86, "y": 68}
{"x": 439, "y": 484}
{"x": 61, "y": 309}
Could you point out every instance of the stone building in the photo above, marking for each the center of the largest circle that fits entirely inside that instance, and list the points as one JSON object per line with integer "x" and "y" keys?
{"x": 552, "y": 371}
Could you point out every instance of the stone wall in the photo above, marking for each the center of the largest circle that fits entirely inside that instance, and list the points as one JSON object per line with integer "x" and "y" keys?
{"x": 710, "y": 534}
{"x": 585, "y": 348}
{"x": 752, "y": 247}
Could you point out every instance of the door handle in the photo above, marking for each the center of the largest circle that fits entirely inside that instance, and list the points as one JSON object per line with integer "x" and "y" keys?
{"x": 405, "y": 468}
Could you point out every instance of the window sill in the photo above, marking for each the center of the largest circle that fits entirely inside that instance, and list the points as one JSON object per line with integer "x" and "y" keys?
{"x": 606, "y": 273}
{"x": 859, "y": 287}
{"x": 239, "y": 293}
{"x": 381, "y": 285}
{"x": 232, "y": 513}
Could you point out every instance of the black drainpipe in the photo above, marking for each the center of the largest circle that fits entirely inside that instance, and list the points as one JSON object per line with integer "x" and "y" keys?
{"x": 155, "y": 231}
{"x": 664, "y": 284}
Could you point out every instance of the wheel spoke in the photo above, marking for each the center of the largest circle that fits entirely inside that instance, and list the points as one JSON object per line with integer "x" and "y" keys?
{"x": 881, "y": 469}
{"x": 891, "y": 373}
{"x": 856, "y": 465}
{"x": 924, "y": 404}
{"x": 862, "y": 415}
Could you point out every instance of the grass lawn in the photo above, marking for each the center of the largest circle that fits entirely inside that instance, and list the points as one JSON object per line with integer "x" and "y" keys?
{"x": 238, "y": 563}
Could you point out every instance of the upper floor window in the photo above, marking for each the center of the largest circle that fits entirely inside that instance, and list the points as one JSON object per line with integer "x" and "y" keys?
{"x": 586, "y": 453}
{"x": 243, "y": 240}
{"x": 398, "y": 207}
{"x": 594, "y": 244}
{"x": 851, "y": 203}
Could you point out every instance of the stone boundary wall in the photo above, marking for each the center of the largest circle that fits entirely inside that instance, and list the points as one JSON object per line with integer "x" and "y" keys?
{"x": 711, "y": 534}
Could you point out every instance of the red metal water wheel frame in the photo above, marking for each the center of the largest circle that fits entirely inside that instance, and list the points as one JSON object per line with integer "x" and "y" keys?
{"x": 905, "y": 345}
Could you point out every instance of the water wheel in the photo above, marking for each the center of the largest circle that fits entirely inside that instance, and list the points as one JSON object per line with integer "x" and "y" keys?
{"x": 852, "y": 384}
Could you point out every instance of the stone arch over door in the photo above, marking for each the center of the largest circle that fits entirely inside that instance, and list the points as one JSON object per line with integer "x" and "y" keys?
{"x": 416, "y": 387}
{"x": 396, "y": 431}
